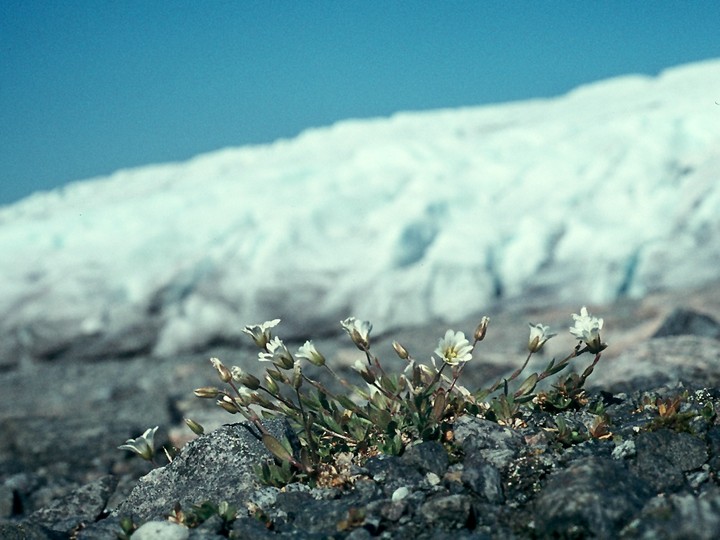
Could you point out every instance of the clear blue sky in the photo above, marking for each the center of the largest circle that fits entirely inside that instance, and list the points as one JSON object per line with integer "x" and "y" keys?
{"x": 91, "y": 86}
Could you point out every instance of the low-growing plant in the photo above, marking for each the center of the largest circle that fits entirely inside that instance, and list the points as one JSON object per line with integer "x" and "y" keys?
{"x": 388, "y": 411}
{"x": 384, "y": 412}
{"x": 199, "y": 513}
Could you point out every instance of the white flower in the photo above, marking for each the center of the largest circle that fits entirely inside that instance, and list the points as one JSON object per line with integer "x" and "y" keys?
{"x": 261, "y": 332}
{"x": 538, "y": 336}
{"x": 311, "y": 354}
{"x": 454, "y": 348}
{"x": 364, "y": 370}
{"x": 587, "y": 329}
{"x": 359, "y": 332}
{"x": 277, "y": 353}
{"x": 144, "y": 445}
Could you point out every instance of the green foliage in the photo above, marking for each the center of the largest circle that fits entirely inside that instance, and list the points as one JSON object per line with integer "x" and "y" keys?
{"x": 200, "y": 513}
{"x": 277, "y": 473}
{"x": 127, "y": 528}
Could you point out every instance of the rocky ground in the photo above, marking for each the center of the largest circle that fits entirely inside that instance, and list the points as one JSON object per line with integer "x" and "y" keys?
{"x": 651, "y": 474}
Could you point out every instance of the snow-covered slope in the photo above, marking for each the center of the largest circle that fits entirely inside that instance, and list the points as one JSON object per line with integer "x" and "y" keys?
{"x": 611, "y": 190}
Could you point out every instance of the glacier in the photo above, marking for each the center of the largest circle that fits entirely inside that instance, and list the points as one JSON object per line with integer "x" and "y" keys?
{"x": 611, "y": 190}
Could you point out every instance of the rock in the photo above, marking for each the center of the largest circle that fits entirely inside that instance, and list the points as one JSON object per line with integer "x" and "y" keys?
{"x": 665, "y": 360}
{"x": 216, "y": 467}
{"x": 161, "y": 530}
{"x": 483, "y": 478}
{"x": 46, "y": 459}
{"x": 428, "y": 456}
{"x": 249, "y": 527}
{"x": 391, "y": 472}
{"x": 663, "y": 456}
{"x": 84, "y": 505}
{"x": 496, "y": 444}
{"x": 593, "y": 497}
{"x": 678, "y": 517}
{"x": 451, "y": 511}
{"x": 315, "y": 517}
{"x": 687, "y": 321}
{"x": 7, "y": 501}
{"x": 27, "y": 531}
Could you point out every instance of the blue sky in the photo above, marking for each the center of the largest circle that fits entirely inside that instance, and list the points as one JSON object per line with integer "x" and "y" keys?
{"x": 91, "y": 86}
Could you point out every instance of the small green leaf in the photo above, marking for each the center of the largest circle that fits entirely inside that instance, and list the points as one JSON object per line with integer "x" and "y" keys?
{"x": 388, "y": 384}
{"x": 527, "y": 386}
{"x": 333, "y": 424}
{"x": 346, "y": 402}
{"x": 382, "y": 418}
{"x": 439, "y": 405}
{"x": 276, "y": 448}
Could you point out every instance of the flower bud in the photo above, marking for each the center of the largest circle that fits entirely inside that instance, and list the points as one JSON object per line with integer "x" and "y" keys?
{"x": 481, "y": 329}
{"x": 228, "y": 404}
{"x": 257, "y": 399}
{"x": 246, "y": 379}
{"x": 297, "y": 376}
{"x": 285, "y": 360}
{"x": 400, "y": 350}
{"x": 276, "y": 375}
{"x": 196, "y": 428}
{"x": 271, "y": 385}
{"x": 225, "y": 375}
{"x": 206, "y": 392}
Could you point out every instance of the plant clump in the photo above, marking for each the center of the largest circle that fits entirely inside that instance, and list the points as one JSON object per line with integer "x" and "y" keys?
{"x": 384, "y": 412}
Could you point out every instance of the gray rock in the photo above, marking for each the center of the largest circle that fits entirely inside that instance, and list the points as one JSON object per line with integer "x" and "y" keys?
{"x": 57, "y": 340}
{"x": 666, "y": 360}
{"x": 663, "y": 456}
{"x": 593, "y": 497}
{"x": 45, "y": 459}
{"x": 450, "y": 511}
{"x": 249, "y": 527}
{"x": 218, "y": 467}
{"x": 106, "y": 528}
{"x": 678, "y": 517}
{"x": 428, "y": 456}
{"x": 496, "y": 444}
{"x": 483, "y": 478}
{"x": 687, "y": 321}
{"x": 10, "y": 530}
{"x": 713, "y": 440}
{"x": 7, "y": 501}
{"x": 392, "y": 473}
{"x": 322, "y": 517}
{"x": 84, "y": 505}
